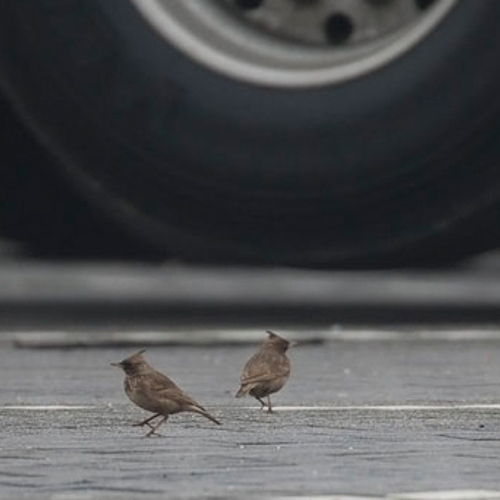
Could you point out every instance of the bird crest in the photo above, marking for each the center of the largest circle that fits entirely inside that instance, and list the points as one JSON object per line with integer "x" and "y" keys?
{"x": 129, "y": 364}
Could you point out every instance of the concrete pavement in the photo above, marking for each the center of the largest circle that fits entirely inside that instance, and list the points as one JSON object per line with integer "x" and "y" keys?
{"x": 370, "y": 418}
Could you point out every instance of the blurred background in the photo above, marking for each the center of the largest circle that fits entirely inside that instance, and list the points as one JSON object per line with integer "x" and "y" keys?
{"x": 287, "y": 141}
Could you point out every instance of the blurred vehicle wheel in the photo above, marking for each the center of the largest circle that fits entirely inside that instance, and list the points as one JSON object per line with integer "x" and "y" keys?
{"x": 302, "y": 132}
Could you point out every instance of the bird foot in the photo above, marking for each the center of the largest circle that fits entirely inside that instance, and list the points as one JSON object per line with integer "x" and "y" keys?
{"x": 267, "y": 406}
{"x": 153, "y": 433}
{"x": 142, "y": 424}
{"x": 147, "y": 422}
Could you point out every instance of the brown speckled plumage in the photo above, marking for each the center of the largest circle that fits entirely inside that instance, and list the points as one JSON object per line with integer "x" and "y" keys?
{"x": 267, "y": 371}
{"x": 155, "y": 392}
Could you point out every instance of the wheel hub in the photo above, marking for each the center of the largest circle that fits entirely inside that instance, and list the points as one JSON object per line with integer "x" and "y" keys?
{"x": 294, "y": 43}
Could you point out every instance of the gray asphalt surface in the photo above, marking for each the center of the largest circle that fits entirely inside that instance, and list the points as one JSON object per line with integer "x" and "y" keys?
{"x": 373, "y": 418}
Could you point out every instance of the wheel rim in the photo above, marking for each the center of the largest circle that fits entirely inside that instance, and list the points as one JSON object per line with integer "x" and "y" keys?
{"x": 294, "y": 43}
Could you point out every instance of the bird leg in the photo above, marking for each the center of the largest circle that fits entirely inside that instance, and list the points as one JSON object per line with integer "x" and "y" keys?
{"x": 154, "y": 428}
{"x": 269, "y": 407}
{"x": 261, "y": 402}
{"x": 146, "y": 421}
{"x": 264, "y": 404}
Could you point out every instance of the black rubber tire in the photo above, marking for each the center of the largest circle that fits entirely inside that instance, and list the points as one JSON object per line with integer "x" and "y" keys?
{"x": 395, "y": 167}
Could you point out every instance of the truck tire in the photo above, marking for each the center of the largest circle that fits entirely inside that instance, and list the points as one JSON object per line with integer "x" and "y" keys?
{"x": 219, "y": 133}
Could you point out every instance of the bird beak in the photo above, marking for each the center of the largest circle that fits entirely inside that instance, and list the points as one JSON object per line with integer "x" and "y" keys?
{"x": 119, "y": 365}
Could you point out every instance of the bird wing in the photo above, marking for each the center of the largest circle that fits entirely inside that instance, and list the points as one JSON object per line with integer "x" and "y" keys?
{"x": 258, "y": 379}
{"x": 159, "y": 382}
{"x": 179, "y": 396}
{"x": 264, "y": 367}
{"x": 162, "y": 387}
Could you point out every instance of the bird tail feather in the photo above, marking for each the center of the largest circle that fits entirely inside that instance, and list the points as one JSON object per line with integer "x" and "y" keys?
{"x": 205, "y": 413}
{"x": 243, "y": 391}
